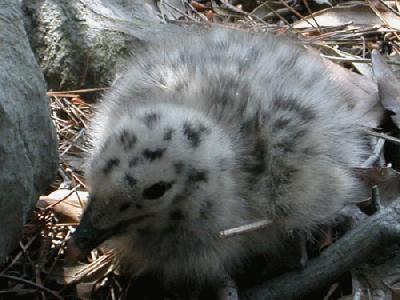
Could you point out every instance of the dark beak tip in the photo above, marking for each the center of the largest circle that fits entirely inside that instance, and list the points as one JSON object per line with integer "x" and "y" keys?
{"x": 73, "y": 253}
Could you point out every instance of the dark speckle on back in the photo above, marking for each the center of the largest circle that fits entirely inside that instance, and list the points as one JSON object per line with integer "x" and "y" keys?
{"x": 110, "y": 164}
{"x": 130, "y": 180}
{"x": 194, "y": 133}
{"x": 197, "y": 175}
{"x": 150, "y": 119}
{"x": 168, "y": 134}
{"x": 153, "y": 154}
{"x": 127, "y": 139}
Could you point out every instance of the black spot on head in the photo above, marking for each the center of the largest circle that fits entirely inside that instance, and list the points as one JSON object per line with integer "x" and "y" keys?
{"x": 156, "y": 190}
{"x": 130, "y": 180}
{"x": 194, "y": 133}
{"x": 168, "y": 134}
{"x": 133, "y": 162}
{"x": 127, "y": 139}
{"x": 177, "y": 215}
{"x": 150, "y": 119}
{"x": 178, "y": 167}
{"x": 110, "y": 164}
{"x": 196, "y": 176}
{"x": 124, "y": 206}
{"x": 153, "y": 154}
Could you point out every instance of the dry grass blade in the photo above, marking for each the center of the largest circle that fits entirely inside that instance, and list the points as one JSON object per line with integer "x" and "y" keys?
{"x": 244, "y": 229}
{"x": 383, "y": 136}
{"x": 99, "y": 266}
{"x": 78, "y": 92}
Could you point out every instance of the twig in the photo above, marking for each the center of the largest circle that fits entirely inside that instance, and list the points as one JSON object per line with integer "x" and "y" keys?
{"x": 275, "y": 13}
{"x": 76, "y": 177}
{"x": 180, "y": 11}
{"x": 376, "y": 199}
{"x": 244, "y": 229}
{"x": 200, "y": 15}
{"x": 383, "y": 136}
{"x": 375, "y": 156}
{"x": 71, "y": 143}
{"x": 300, "y": 16}
{"x": 77, "y": 91}
{"x": 355, "y": 60}
{"x": 312, "y": 15}
{"x": 73, "y": 190}
{"x": 93, "y": 267}
{"x": 18, "y": 256}
{"x": 32, "y": 284}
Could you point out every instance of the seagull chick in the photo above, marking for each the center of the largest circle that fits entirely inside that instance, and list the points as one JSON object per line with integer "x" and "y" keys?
{"x": 212, "y": 131}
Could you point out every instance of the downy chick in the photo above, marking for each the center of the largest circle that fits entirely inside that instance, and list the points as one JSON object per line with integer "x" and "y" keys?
{"x": 212, "y": 131}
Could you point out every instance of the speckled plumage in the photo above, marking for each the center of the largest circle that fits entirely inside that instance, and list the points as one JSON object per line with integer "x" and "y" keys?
{"x": 209, "y": 132}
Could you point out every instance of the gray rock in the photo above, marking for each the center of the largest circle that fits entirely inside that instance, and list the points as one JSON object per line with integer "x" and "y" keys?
{"x": 28, "y": 143}
{"x": 79, "y": 43}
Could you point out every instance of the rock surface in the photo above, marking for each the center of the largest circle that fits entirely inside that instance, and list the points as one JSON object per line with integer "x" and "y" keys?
{"x": 79, "y": 43}
{"x": 28, "y": 143}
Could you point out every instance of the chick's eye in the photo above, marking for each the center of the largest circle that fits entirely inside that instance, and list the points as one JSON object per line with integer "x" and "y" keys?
{"x": 156, "y": 190}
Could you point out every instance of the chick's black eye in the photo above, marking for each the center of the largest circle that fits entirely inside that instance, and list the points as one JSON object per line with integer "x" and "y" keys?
{"x": 156, "y": 190}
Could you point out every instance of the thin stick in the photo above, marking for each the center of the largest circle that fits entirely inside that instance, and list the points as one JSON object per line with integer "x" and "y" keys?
{"x": 383, "y": 136}
{"x": 18, "y": 256}
{"x": 244, "y": 229}
{"x": 375, "y": 156}
{"x": 32, "y": 284}
{"x": 355, "y": 60}
{"x": 77, "y": 91}
{"x": 312, "y": 15}
{"x": 73, "y": 190}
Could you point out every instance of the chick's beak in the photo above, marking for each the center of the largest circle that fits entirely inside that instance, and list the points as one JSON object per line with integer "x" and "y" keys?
{"x": 84, "y": 239}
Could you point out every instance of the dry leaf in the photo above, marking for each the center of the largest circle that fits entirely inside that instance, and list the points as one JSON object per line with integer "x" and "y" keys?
{"x": 66, "y": 204}
{"x": 356, "y": 14}
{"x": 171, "y": 9}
